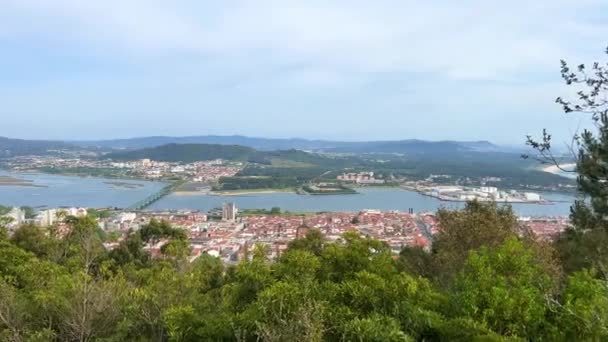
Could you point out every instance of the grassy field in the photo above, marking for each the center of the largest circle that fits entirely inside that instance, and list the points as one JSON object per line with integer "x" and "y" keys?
{"x": 276, "y": 162}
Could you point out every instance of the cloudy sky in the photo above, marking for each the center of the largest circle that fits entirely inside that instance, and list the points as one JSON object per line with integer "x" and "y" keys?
{"x": 352, "y": 69}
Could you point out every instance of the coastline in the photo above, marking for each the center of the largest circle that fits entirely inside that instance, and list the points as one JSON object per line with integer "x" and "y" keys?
{"x": 13, "y": 181}
{"x": 483, "y": 200}
{"x": 554, "y": 169}
{"x": 249, "y": 192}
{"x": 189, "y": 193}
{"x": 34, "y": 172}
{"x": 231, "y": 192}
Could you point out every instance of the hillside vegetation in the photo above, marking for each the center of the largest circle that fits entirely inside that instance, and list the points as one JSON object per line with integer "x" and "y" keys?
{"x": 483, "y": 281}
{"x": 186, "y": 153}
{"x": 270, "y": 144}
{"x": 295, "y": 167}
{"x": 16, "y": 147}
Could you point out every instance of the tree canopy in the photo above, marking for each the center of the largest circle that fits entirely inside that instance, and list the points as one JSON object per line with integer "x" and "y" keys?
{"x": 354, "y": 289}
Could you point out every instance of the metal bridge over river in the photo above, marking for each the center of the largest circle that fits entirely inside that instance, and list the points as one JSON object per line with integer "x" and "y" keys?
{"x": 146, "y": 202}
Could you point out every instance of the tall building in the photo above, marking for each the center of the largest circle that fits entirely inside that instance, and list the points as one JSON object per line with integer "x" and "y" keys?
{"x": 229, "y": 211}
{"x": 46, "y": 217}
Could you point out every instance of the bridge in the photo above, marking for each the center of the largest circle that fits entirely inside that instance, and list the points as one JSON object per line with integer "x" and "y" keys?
{"x": 146, "y": 202}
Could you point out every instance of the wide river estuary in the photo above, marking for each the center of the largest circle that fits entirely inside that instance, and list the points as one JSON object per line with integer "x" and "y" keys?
{"x": 57, "y": 191}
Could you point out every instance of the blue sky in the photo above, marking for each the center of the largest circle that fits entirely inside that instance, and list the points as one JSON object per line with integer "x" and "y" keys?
{"x": 349, "y": 70}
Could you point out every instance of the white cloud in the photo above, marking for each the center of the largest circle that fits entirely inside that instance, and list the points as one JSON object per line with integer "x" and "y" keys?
{"x": 472, "y": 39}
{"x": 406, "y": 63}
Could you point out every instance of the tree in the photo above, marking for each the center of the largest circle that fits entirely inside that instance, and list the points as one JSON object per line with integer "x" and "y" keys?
{"x": 341, "y": 261}
{"x": 592, "y": 148}
{"x": 374, "y": 328}
{"x": 503, "y": 288}
{"x": 29, "y": 298}
{"x": 97, "y": 214}
{"x": 590, "y": 151}
{"x": 90, "y": 308}
{"x": 4, "y": 210}
{"x": 297, "y": 265}
{"x": 416, "y": 261}
{"x": 289, "y": 312}
{"x": 130, "y": 250}
{"x": 312, "y": 242}
{"x": 178, "y": 251}
{"x": 37, "y": 240}
{"x": 461, "y": 231}
{"x": 4, "y": 223}
{"x": 155, "y": 290}
{"x": 155, "y": 230}
{"x": 208, "y": 273}
{"x": 584, "y": 312}
{"x": 83, "y": 244}
{"x": 13, "y": 314}
{"x": 580, "y": 250}
{"x": 87, "y": 302}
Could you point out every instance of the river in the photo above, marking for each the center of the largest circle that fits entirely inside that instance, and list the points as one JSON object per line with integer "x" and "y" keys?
{"x": 57, "y": 191}
{"x": 368, "y": 198}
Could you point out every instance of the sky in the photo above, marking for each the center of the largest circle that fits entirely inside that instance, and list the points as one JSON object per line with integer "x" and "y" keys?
{"x": 329, "y": 69}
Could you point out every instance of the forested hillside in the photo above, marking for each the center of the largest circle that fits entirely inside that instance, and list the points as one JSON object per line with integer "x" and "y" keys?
{"x": 16, "y": 147}
{"x": 301, "y": 166}
{"x": 186, "y": 153}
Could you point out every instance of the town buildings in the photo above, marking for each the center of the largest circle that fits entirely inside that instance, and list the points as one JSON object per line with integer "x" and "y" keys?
{"x": 234, "y": 237}
{"x": 360, "y": 178}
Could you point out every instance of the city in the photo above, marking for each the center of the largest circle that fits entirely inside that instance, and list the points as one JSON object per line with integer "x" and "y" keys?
{"x": 226, "y": 234}
{"x": 303, "y": 171}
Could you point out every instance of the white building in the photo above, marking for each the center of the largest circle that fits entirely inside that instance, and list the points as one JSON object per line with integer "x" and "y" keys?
{"x": 489, "y": 189}
{"x": 46, "y": 217}
{"x": 178, "y": 169}
{"x": 360, "y": 178}
{"x": 531, "y": 196}
{"x": 17, "y": 215}
{"x": 78, "y": 212}
{"x": 126, "y": 217}
{"x": 467, "y": 197}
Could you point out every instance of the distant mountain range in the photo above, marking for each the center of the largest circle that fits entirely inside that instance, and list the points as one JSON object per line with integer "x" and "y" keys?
{"x": 268, "y": 144}
{"x": 419, "y": 160}
{"x": 188, "y": 153}
{"x": 11, "y": 147}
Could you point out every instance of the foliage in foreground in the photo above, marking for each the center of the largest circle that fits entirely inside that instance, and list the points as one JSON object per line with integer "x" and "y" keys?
{"x": 499, "y": 287}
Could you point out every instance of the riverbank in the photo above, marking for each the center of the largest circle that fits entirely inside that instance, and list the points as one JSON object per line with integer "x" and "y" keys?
{"x": 125, "y": 185}
{"x": 111, "y": 178}
{"x": 12, "y": 181}
{"x": 55, "y": 191}
{"x": 483, "y": 199}
{"x": 246, "y": 192}
{"x": 189, "y": 193}
{"x": 369, "y": 198}
{"x": 559, "y": 170}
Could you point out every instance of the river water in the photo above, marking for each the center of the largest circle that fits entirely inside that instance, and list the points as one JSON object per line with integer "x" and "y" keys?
{"x": 58, "y": 191}
{"x": 368, "y": 198}
{"x": 97, "y": 192}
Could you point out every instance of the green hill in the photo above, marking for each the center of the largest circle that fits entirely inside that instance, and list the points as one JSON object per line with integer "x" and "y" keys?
{"x": 16, "y": 147}
{"x": 187, "y": 153}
